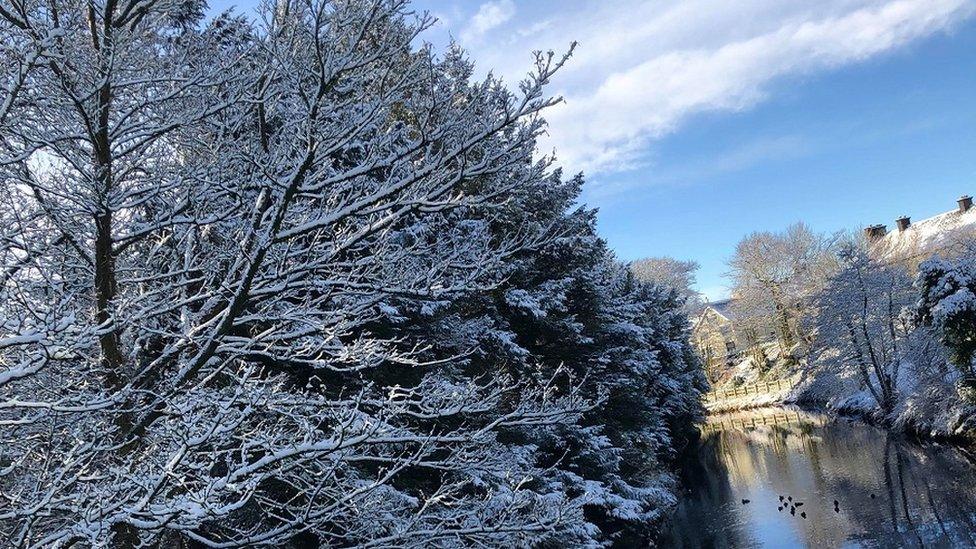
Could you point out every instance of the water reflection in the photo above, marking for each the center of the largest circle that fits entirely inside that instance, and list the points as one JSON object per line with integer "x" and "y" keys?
{"x": 891, "y": 492}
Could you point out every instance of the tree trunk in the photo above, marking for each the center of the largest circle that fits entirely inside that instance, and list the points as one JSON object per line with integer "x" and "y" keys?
{"x": 106, "y": 285}
{"x": 105, "y": 292}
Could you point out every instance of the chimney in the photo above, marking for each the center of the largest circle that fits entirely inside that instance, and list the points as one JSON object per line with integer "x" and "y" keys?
{"x": 965, "y": 203}
{"x": 903, "y": 223}
{"x": 874, "y": 232}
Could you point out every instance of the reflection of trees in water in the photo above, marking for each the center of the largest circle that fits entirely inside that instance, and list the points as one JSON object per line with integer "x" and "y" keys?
{"x": 923, "y": 518}
{"x": 895, "y": 484}
{"x": 925, "y": 493}
{"x": 707, "y": 493}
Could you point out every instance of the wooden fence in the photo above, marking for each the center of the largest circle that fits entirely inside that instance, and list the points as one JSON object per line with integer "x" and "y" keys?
{"x": 760, "y": 388}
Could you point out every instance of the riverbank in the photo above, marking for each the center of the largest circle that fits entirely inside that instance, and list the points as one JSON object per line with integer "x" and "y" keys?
{"x": 772, "y": 393}
{"x": 928, "y": 408}
{"x": 937, "y": 412}
{"x": 959, "y": 429}
{"x": 929, "y": 401}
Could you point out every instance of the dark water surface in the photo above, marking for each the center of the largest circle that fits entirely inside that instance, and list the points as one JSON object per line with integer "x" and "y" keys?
{"x": 924, "y": 493}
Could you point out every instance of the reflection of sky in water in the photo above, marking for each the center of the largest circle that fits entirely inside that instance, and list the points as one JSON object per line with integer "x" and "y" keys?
{"x": 925, "y": 494}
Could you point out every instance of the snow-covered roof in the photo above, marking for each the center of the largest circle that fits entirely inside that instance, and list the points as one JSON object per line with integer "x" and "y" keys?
{"x": 931, "y": 235}
{"x": 723, "y": 308}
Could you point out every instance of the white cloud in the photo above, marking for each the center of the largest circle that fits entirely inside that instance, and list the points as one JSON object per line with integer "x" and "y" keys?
{"x": 643, "y": 68}
{"x": 490, "y": 15}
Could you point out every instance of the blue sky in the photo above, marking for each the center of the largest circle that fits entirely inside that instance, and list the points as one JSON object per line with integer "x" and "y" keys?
{"x": 700, "y": 121}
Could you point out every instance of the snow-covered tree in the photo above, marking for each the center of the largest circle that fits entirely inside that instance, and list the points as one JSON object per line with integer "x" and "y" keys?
{"x": 201, "y": 223}
{"x": 674, "y": 274}
{"x": 862, "y": 326}
{"x": 301, "y": 281}
{"x": 775, "y": 277}
{"x": 571, "y": 305}
{"x": 948, "y": 303}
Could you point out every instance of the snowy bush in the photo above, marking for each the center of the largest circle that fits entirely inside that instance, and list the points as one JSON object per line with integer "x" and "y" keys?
{"x": 948, "y": 303}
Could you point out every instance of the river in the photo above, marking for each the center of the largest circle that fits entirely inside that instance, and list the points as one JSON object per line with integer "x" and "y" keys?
{"x": 890, "y": 491}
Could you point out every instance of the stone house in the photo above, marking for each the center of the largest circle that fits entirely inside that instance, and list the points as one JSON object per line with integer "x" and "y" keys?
{"x": 722, "y": 339}
{"x": 718, "y": 336}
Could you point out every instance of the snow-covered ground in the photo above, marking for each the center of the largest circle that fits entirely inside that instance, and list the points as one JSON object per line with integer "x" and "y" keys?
{"x": 755, "y": 400}
{"x": 746, "y": 373}
{"x": 933, "y": 408}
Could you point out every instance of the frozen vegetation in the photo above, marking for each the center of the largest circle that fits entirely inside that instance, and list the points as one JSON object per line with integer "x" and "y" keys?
{"x": 899, "y": 350}
{"x": 296, "y": 279}
{"x": 869, "y": 329}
